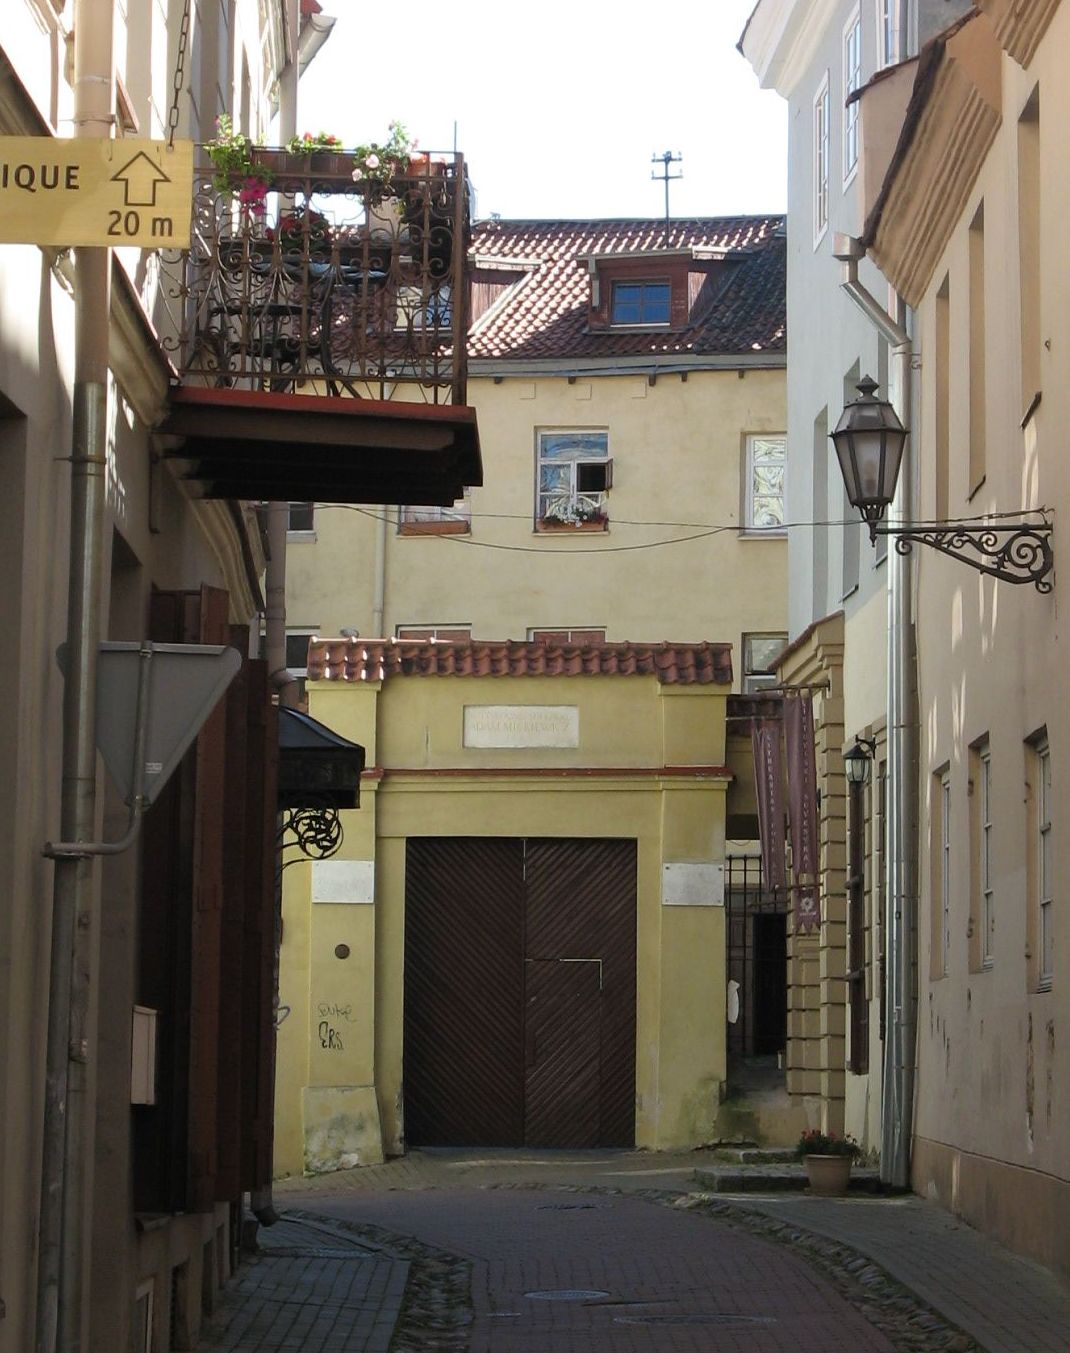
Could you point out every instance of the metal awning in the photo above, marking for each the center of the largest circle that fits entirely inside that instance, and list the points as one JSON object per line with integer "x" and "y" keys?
{"x": 318, "y": 768}
{"x": 261, "y": 446}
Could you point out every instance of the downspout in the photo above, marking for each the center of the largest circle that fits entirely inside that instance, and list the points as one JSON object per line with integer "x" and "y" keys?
{"x": 261, "y": 1202}
{"x": 379, "y": 594}
{"x": 62, "y": 1225}
{"x": 278, "y": 514}
{"x": 897, "y": 1098}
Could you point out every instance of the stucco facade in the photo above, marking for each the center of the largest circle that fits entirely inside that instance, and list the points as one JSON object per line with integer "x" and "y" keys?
{"x": 992, "y": 1069}
{"x": 647, "y": 765}
{"x": 679, "y": 463}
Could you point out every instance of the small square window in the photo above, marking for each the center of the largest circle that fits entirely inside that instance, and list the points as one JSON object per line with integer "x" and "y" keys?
{"x": 641, "y": 303}
{"x": 760, "y": 652}
{"x": 440, "y": 521}
{"x": 302, "y": 517}
{"x": 297, "y": 651}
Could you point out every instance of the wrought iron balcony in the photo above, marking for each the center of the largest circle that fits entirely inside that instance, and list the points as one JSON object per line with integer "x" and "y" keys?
{"x": 319, "y": 328}
{"x": 327, "y": 286}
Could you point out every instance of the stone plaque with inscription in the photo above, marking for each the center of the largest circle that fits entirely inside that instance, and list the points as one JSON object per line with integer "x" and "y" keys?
{"x": 521, "y": 726}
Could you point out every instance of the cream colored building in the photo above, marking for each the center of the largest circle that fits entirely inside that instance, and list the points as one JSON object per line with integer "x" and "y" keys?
{"x": 968, "y": 225}
{"x": 629, "y": 384}
{"x": 681, "y": 422}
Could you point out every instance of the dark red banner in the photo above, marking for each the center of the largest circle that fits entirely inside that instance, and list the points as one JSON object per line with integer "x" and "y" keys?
{"x": 769, "y": 788}
{"x": 802, "y": 807}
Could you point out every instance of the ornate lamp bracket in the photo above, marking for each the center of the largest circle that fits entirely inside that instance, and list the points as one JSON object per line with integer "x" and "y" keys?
{"x": 1013, "y": 551}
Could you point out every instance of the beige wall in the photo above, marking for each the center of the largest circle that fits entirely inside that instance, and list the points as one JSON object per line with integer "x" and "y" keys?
{"x": 993, "y": 1062}
{"x": 410, "y": 728}
{"x": 677, "y": 450}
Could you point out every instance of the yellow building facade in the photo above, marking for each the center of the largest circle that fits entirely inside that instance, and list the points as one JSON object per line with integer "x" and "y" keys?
{"x": 626, "y": 750}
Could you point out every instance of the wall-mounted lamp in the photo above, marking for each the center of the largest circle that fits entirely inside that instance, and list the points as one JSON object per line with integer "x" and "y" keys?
{"x": 869, "y": 441}
{"x": 857, "y": 761}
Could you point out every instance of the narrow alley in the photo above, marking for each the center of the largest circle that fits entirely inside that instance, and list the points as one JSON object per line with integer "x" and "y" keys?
{"x": 541, "y": 1252}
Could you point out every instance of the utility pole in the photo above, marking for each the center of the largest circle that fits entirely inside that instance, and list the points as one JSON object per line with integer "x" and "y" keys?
{"x": 62, "y": 1245}
{"x": 666, "y": 160}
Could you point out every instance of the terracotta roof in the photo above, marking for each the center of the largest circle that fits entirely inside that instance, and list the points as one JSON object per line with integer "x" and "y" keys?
{"x": 376, "y": 659}
{"x": 544, "y": 315}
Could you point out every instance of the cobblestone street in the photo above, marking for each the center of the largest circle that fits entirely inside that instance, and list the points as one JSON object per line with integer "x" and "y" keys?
{"x": 541, "y": 1253}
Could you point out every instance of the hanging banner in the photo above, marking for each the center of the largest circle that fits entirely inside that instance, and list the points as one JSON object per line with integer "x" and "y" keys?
{"x": 802, "y": 807}
{"x": 769, "y": 790}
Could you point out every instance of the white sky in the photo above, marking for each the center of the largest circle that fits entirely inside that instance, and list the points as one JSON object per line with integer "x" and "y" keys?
{"x": 560, "y": 104}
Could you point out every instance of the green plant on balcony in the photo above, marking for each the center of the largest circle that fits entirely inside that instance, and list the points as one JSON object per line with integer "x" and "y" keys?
{"x": 377, "y": 164}
{"x": 308, "y": 143}
{"x": 231, "y": 153}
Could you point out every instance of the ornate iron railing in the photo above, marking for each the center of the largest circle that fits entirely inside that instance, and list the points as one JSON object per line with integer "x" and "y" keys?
{"x": 328, "y": 285}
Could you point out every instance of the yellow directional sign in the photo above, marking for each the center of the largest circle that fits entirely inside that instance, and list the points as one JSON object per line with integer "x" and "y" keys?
{"x": 95, "y": 192}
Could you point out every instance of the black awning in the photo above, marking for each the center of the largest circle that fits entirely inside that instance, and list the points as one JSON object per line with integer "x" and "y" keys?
{"x": 318, "y": 768}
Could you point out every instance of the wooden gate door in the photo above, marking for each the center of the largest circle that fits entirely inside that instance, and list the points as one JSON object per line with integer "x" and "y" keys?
{"x": 519, "y": 993}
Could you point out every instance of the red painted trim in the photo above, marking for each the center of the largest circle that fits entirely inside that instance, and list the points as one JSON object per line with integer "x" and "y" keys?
{"x": 550, "y": 772}
{"x": 195, "y": 396}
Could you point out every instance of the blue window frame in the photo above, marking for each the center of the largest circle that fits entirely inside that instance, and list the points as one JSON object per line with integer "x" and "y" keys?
{"x": 641, "y": 302}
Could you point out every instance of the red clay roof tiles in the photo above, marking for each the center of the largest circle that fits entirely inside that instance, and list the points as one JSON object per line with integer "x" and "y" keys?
{"x": 375, "y": 660}
{"x": 545, "y": 313}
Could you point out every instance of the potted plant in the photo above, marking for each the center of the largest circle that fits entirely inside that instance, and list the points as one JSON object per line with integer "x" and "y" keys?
{"x": 236, "y": 169}
{"x": 294, "y": 225}
{"x": 376, "y": 164}
{"x": 827, "y": 1158}
{"x": 322, "y": 150}
{"x": 575, "y": 513}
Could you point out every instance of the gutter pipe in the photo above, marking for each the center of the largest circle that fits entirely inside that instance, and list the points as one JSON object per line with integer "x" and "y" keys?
{"x": 897, "y": 1099}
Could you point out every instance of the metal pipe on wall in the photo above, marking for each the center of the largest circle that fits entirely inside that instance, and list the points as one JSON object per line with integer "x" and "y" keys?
{"x": 897, "y": 1100}
{"x": 62, "y": 1247}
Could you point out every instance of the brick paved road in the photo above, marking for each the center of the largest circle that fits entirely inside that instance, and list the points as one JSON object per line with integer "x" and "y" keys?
{"x": 673, "y": 1282}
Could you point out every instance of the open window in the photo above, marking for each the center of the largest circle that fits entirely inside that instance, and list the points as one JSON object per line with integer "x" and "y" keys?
{"x": 575, "y": 474}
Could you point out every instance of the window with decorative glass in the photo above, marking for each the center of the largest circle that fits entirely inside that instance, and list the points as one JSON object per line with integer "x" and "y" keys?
{"x": 766, "y": 463}
{"x": 641, "y": 303}
{"x": 574, "y": 475}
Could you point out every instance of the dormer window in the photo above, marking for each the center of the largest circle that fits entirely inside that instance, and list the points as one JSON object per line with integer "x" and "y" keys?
{"x": 641, "y": 302}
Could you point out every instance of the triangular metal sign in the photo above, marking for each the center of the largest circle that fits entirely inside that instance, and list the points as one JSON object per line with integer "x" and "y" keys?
{"x": 186, "y": 682}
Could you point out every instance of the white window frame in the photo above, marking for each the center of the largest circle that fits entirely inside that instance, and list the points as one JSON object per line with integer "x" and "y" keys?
{"x": 822, "y": 156}
{"x": 889, "y": 32}
{"x": 1045, "y": 887}
{"x": 536, "y": 635}
{"x": 458, "y": 515}
{"x": 852, "y": 81}
{"x": 751, "y": 498}
{"x": 985, "y": 824}
{"x": 298, "y": 631}
{"x": 300, "y": 532}
{"x": 754, "y": 679}
{"x": 571, "y": 505}
{"x": 433, "y": 633}
{"x": 945, "y": 870}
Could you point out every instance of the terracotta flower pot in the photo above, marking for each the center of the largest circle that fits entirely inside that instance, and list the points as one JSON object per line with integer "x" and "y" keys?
{"x": 828, "y": 1175}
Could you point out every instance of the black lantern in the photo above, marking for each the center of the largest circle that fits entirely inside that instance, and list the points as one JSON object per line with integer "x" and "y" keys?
{"x": 856, "y": 762}
{"x": 869, "y": 440}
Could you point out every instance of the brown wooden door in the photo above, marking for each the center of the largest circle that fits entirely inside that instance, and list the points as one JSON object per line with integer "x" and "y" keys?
{"x": 520, "y": 993}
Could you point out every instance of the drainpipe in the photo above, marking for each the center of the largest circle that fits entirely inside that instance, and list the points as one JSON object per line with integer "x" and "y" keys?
{"x": 897, "y": 1099}
{"x": 62, "y": 1225}
{"x": 278, "y": 514}
{"x": 379, "y": 595}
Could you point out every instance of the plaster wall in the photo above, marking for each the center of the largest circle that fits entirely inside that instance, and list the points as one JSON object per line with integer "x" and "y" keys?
{"x": 413, "y": 727}
{"x": 993, "y": 1058}
{"x": 678, "y": 461}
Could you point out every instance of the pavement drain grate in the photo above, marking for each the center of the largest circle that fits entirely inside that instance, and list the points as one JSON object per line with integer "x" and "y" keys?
{"x": 694, "y": 1320}
{"x": 565, "y": 1294}
{"x": 310, "y": 1252}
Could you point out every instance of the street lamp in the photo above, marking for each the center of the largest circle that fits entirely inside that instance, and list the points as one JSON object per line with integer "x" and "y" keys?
{"x": 869, "y": 441}
{"x": 856, "y": 762}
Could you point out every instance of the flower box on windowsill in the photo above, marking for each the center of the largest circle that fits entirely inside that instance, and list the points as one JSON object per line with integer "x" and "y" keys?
{"x": 320, "y": 164}
{"x": 434, "y": 528}
{"x": 588, "y": 524}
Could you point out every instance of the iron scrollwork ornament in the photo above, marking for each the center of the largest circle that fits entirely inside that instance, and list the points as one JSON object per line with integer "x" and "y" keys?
{"x": 1015, "y": 552}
